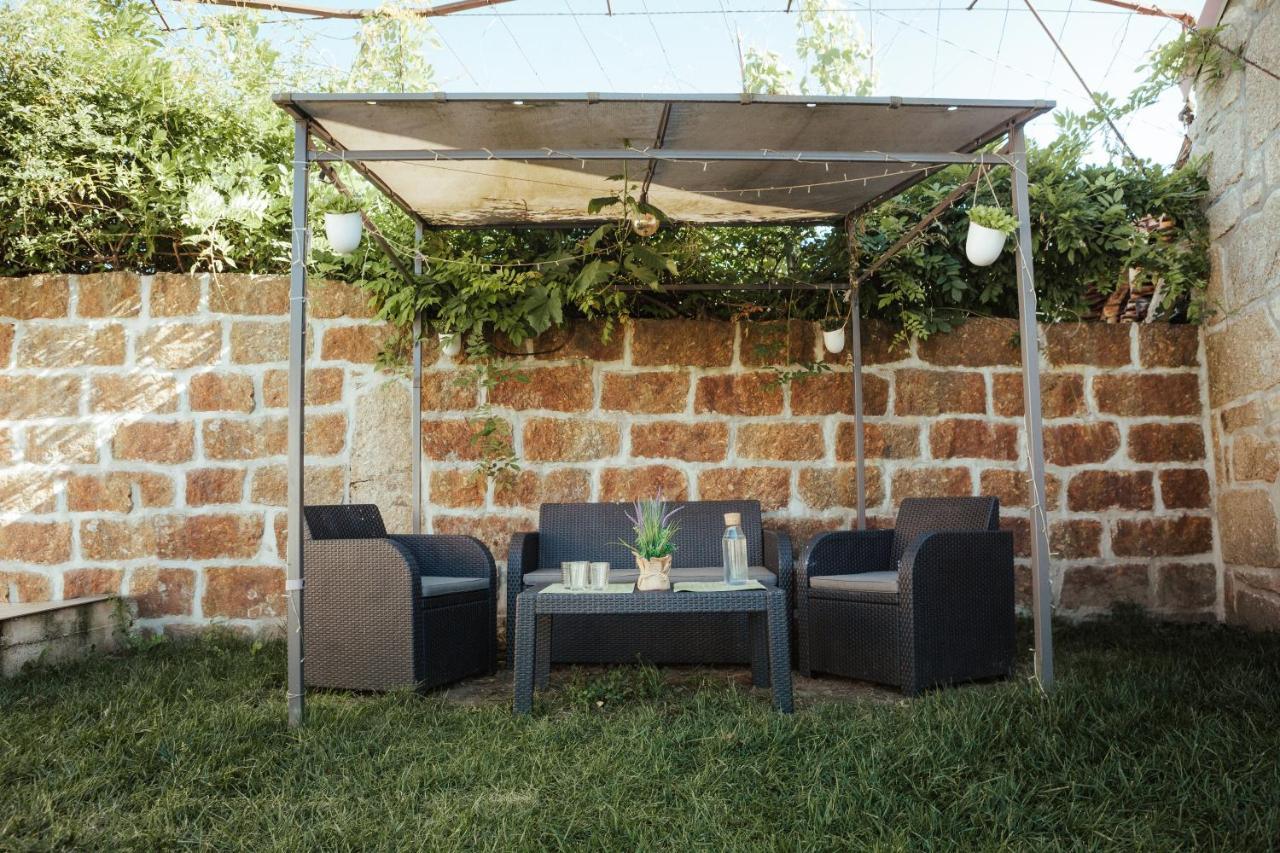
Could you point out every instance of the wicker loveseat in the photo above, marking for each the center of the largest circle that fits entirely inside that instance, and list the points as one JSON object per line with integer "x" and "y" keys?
{"x": 595, "y": 531}
{"x": 929, "y": 602}
{"x": 391, "y": 611}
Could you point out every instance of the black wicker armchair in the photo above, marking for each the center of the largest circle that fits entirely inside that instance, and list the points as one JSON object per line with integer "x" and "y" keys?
{"x": 927, "y": 603}
{"x": 595, "y": 531}
{"x": 391, "y": 611}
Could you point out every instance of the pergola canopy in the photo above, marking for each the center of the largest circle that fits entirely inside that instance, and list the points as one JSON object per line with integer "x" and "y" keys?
{"x": 510, "y": 160}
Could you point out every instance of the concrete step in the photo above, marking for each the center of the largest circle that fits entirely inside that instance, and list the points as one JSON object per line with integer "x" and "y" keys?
{"x": 53, "y": 632}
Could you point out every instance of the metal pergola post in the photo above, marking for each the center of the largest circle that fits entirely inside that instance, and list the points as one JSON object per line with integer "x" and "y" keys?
{"x": 415, "y": 399}
{"x": 297, "y": 413}
{"x": 855, "y": 347}
{"x": 1029, "y": 337}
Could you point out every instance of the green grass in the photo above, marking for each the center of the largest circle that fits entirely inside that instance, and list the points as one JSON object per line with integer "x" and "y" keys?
{"x": 1158, "y": 737}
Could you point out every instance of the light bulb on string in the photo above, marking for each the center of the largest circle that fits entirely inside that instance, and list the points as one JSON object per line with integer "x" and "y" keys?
{"x": 644, "y": 224}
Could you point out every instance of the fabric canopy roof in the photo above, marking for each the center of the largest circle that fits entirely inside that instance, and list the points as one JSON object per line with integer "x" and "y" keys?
{"x": 454, "y": 161}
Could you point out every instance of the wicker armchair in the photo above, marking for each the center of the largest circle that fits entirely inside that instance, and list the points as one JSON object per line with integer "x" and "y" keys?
{"x": 927, "y": 603}
{"x": 594, "y": 531}
{"x": 392, "y": 611}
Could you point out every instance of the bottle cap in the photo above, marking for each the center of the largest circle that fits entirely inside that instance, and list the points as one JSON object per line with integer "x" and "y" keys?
{"x": 732, "y": 519}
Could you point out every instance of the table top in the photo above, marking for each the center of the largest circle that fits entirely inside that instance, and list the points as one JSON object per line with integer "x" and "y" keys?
{"x": 728, "y": 601}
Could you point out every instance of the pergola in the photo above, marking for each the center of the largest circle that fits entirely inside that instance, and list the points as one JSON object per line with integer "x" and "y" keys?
{"x": 520, "y": 160}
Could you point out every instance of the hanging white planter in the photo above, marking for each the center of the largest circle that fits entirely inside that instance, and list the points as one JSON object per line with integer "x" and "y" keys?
{"x": 450, "y": 344}
{"x": 833, "y": 340}
{"x": 344, "y": 231}
{"x": 983, "y": 245}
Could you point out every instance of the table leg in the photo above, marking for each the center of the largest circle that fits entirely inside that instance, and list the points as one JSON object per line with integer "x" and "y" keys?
{"x": 759, "y": 649}
{"x": 780, "y": 654}
{"x": 525, "y": 651}
{"x": 542, "y": 661}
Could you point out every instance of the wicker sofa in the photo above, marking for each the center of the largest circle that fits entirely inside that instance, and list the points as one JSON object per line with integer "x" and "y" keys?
{"x": 595, "y": 531}
{"x": 393, "y": 611}
{"x": 927, "y": 603}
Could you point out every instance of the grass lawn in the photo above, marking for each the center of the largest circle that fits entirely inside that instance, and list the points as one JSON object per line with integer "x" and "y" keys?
{"x": 1158, "y": 737}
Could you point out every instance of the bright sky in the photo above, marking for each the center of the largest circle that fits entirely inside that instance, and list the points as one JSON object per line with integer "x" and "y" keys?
{"x": 996, "y": 50}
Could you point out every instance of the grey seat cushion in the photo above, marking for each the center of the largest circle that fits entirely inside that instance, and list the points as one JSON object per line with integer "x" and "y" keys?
{"x": 433, "y": 585}
{"x": 542, "y": 577}
{"x": 882, "y": 582}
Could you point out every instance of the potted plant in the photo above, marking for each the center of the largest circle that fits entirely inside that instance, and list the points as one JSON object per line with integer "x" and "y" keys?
{"x": 989, "y": 227}
{"x": 343, "y": 226}
{"x": 833, "y": 336}
{"x": 653, "y": 544}
{"x": 450, "y": 343}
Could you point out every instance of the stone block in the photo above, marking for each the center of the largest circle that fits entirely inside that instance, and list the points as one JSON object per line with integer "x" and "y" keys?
{"x": 62, "y": 444}
{"x": 43, "y": 396}
{"x": 560, "y": 389}
{"x": 71, "y": 346}
{"x": 1174, "y": 536}
{"x": 832, "y": 394}
{"x": 582, "y": 339}
{"x": 530, "y": 489}
{"x": 1243, "y": 416}
{"x": 332, "y": 299}
{"x": 965, "y": 438}
{"x": 770, "y": 486}
{"x": 322, "y": 484}
{"x": 1013, "y": 487}
{"x": 936, "y": 392}
{"x": 215, "y": 486}
{"x": 778, "y": 342}
{"x": 837, "y": 488}
{"x": 880, "y": 441}
{"x": 160, "y": 592}
{"x": 453, "y": 440}
{"x": 221, "y": 392}
{"x": 643, "y": 481}
{"x": 1095, "y": 491}
{"x": 1166, "y": 443}
{"x": 1254, "y": 458}
{"x": 243, "y": 592}
{"x": 1087, "y": 443}
{"x": 742, "y": 394}
{"x": 1095, "y": 344}
{"x": 261, "y": 341}
{"x": 110, "y": 539}
{"x": 1232, "y": 353}
{"x": 704, "y": 441}
{"x": 1247, "y": 524}
{"x": 28, "y": 493}
{"x": 40, "y": 542}
{"x": 692, "y": 343}
{"x": 208, "y": 537}
{"x": 227, "y": 439}
{"x": 929, "y": 482}
{"x": 1168, "y": 345}
{"x": 493, "y": 530}
{"x": 1061, "y": 395}
{"x": 649, "y": 393}
{"x": 881, "y": 344}
{"x": 36, "y": 296}
{"x": 1148, "y": 394}
{"x": 1184, "y": 587}
{"x": 980, "y": 342}
{"x": 1103, "y": 587}
{"x": 6, "y": 343}
{"x": 156, "y": 490}
{"x": 322, "y": 386}
{"x": 112, "y": 492}
{"x": 135, "y": 392}
{"x": 232, "y": 293}
{"x": 357, "y": 344}
{"x": 108, "y": 294}
{"x": 569, "y": 440}
{"x": 458, "y": 488}
{"x": 25, "y": 586}
{"x": 178, "y": 346}
{"x": 1075, "y": 538}
{"x": 82, "y": 583}
{"x": 1184, "y": 488}
{"x": 166, "y": 442}
{"x": 174, "y": 294}
{"x": 781, "y": 441}
{"x": 325, "y": 434}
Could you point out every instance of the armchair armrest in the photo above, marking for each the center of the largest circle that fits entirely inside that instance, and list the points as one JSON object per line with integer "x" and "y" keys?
{"x": 778, "y": 557}
{"x": 957, "y": 564}
{"x": 845, "y": 552}
{"x": 449, "y": 556}
{"x": 379, "y": 561}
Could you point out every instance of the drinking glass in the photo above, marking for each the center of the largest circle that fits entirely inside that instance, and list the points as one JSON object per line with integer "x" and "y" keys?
{"x": 599, "y": 577}
{"x": 564, "y": 574}
{"x": 579, "y": 572}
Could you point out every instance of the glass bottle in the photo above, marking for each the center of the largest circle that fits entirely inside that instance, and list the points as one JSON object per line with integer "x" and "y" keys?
{"x": 734, "y": 545}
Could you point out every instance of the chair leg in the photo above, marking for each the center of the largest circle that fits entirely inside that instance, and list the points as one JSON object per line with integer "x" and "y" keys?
{"x": 803, "y": 665}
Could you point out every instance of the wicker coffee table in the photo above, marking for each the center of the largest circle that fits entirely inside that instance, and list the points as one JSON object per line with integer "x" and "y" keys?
{"x": 771, "y": 647}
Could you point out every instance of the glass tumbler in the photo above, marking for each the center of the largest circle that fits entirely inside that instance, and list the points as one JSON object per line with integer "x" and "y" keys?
{"x": 565, "y": 579}
{"x": 579, "y": 574}
{"x": 599, "y": 577}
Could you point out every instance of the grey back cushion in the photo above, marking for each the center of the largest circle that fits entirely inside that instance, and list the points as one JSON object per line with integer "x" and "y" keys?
{"x": 596, "y": 531}
{"x": 917, "y": 516}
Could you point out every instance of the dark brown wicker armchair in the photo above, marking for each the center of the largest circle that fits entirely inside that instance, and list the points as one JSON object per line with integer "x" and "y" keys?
{"x": 927, "y": 603}
{"x": 390, "y": 611}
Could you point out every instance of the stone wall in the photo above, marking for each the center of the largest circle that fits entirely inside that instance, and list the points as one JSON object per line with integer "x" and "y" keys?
{"x": 142, "y": 439}
{"x": 1238, "y": 126}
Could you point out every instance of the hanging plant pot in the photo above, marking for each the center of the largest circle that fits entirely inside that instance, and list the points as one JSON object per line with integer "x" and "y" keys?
{"x": 983, "y": 245}
{"x": 344, "y": 231}
{"x": 833, "y": 340}
{"x": 450, "y": 344}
